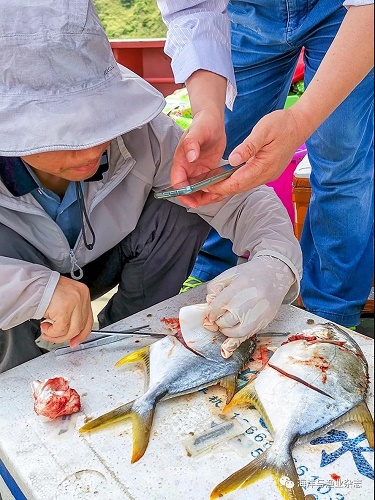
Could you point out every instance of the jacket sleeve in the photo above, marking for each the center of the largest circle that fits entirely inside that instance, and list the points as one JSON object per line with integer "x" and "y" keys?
{"x": 357, "y": 3}
{"x": 25, "y": 291}
{"x": 257, "y": 223}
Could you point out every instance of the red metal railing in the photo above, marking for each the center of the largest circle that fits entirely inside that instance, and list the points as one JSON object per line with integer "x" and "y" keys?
{"x": 147, "y": 58}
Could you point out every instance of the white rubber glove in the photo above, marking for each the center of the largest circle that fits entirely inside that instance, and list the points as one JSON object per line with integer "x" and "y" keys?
{"x": 245, "y": 298}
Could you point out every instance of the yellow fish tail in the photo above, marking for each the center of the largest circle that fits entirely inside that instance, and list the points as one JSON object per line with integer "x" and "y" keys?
{"x": 285, "y": 476}
{"x": 141, "y": 422}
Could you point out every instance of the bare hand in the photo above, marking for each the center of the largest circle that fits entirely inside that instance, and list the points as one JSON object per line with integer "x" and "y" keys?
{"x": 70, "y": 313}
{"x": 199, "y": 150}
{"x": 267, "y": 151}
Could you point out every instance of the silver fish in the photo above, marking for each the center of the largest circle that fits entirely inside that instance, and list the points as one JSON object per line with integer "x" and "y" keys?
{"x": 174, "y": 369}
{"x": 313, "y": 382}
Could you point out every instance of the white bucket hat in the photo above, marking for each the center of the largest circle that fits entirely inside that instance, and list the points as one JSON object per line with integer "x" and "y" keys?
{"x": 60, "y": 86}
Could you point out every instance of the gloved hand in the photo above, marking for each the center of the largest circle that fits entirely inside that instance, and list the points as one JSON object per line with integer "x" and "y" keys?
{"x": 244, "y": 299}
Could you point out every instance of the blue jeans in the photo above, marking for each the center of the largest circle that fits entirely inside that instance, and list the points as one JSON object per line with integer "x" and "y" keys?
{"x": 337, "y": 240}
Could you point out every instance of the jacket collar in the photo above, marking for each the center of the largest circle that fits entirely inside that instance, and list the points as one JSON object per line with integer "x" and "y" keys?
{"x": 19, "y": 182}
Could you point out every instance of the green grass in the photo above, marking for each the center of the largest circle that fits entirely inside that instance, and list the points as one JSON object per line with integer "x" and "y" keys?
{"x": 131, "y": 18}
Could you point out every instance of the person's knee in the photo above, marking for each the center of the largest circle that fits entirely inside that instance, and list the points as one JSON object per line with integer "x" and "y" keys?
{"x": 187, "y": 221}
{"x": 190, "y": 229}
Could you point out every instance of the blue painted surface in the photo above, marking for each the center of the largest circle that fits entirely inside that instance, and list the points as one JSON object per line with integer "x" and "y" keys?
{"x": 347, "y": 445}
{"x": 11, "y": 483}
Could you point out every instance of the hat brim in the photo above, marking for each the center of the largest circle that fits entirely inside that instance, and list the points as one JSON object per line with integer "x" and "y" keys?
{"x": 79, "y": 120}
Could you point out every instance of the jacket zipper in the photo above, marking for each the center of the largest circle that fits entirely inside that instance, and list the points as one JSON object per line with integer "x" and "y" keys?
{"x": 76, "y": 272}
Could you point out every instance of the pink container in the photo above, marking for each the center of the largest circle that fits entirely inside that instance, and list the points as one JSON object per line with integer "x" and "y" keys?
{"x": 284, "y": 184}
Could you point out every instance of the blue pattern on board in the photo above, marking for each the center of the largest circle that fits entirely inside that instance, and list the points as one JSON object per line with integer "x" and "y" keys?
{"x": 348, "y": 445}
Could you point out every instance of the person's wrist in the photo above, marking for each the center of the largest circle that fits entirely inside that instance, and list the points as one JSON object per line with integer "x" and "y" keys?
{"x": 305, "y": 123}
{"x": 212, "y": 119}
{"x": 207, "y": 92}
{"x": 209, "y": 110}
{"x": 272, "y": 266}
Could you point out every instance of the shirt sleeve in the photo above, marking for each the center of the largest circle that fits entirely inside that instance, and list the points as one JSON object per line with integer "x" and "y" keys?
{"x": 199, "y": 38}
{"x": 357, "y": 3}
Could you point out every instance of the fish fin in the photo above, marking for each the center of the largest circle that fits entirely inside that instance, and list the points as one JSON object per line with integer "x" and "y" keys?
{"x": 141, "y": 423}
{"x": 285, "y": 476}
{"x": 120, "y": 413}
{"x": 248, "y": 395}
{"x": 359, "y": 413}
{"x": 362, "y": 414}
{"x": 142, "y": 355}
{"x": 230, "y": 384}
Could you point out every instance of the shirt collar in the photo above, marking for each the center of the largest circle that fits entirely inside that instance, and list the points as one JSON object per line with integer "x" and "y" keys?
{"x": 19, "y": 181}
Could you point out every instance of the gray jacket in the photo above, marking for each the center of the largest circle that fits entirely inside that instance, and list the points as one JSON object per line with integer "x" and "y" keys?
{"x": 139, "y": 161}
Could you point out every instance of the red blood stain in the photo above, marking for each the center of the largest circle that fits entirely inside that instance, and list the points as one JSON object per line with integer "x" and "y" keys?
{"x": 335, "y": 477}
{"x": 263, "y": 355}
{"x": 293, "y": 338}
{"x": 171, "y": 322}
{"x": 317, "y": 362}
{"x": 294, "y": 377}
